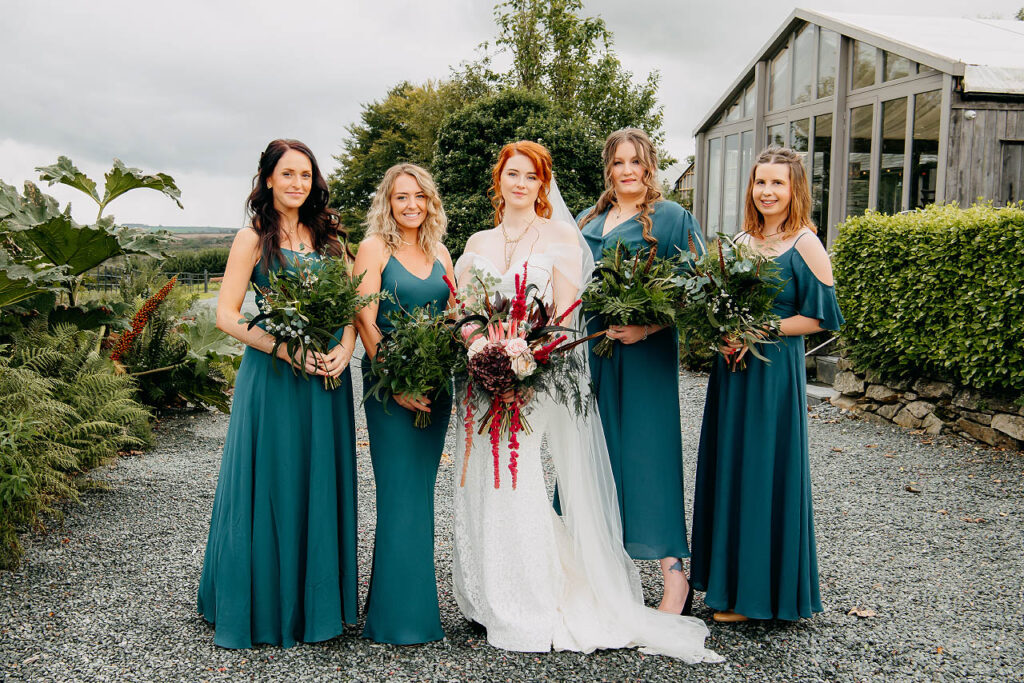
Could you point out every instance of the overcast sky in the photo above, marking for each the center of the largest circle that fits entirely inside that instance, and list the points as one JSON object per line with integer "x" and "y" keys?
{"x": 197, "y": 89}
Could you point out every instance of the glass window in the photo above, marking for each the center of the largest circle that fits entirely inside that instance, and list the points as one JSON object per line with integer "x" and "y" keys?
{"x": 828, "y": 56}
{"x": 864, "y": 58}
{"x": 730, "y": 199}
{"x": 821, "y": 165}
{"x": 803, "y": 64}
{"x": 858, "y": 178}
{"x": 924, "y": 151}
{"x": 778, "y": 94}
{"x": 746, "y": 159}
{"x": 798, "y": 134}
{"x": 925, "y": 69}
{"x": 777, "y": 135}
{"x": 714, "y": 185}
{"x": 894, "y": 143}
{"x": 748, "y": 101}
{"x": 894, "y": 66}
{"x": 733, "y": 113}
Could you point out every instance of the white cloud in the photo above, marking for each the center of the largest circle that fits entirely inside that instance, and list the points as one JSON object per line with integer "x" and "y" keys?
{"x": 196, "y": 89}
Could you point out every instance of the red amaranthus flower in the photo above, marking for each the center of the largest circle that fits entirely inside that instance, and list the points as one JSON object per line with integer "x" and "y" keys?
{"x": 140, "y": 319}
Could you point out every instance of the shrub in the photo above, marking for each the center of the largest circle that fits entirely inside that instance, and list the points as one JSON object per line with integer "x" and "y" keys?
{"x": 468, "y": 144}
{"x": 935, "y": 293}
{"x": 63, "y": 410}
{"x": 210, "y": 260}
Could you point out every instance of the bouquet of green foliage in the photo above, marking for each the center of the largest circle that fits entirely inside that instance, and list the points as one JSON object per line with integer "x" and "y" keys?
{"x": 307, "y": 308}
{"x": 633, "y": 289}
{"x": 417, "y": 358}
{"x": 728, "y": 300}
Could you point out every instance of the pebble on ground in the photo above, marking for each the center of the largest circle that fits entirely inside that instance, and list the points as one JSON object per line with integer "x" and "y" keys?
{"x": 922, "y": 535}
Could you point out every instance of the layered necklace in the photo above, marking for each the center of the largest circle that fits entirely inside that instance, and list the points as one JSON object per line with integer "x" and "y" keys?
{"x": 508, "y": 252}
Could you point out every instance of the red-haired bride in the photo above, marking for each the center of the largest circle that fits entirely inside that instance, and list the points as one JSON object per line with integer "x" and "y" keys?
{"x": 534, "y": 580}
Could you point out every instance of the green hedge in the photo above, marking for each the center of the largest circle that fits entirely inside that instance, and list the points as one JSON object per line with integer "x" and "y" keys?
{"x": 935, "y": 293}
{"x": 210, "y": 260}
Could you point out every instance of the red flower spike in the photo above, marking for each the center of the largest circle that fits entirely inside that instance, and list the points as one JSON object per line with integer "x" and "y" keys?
{"x": 140, "y": 319}
{"x": 468, "y": 425}
{"x": 451, "y": 287}
{"x": 568, "y": 311}
{"x": 495, "y": 434}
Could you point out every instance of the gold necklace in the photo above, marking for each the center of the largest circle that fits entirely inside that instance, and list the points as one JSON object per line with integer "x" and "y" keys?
{"x": 505, "y": 250}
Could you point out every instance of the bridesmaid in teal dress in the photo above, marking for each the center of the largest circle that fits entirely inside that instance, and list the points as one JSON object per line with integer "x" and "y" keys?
{"x": 753, "y": 527}
{"x": 403, "y": 255}
{"x": 638, "y": 386}
{"x": 280, "y": 563}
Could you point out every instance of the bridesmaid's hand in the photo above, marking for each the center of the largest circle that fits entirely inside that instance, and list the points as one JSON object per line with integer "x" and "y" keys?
{"x": 413, "y": 403}
{"x": 336, "y": 360}
{"x": 311, "y": 363}
{"x": 630, "y": 334}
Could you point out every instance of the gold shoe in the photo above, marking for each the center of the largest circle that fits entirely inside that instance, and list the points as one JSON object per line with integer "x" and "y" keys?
{"x": 728, "y": 617}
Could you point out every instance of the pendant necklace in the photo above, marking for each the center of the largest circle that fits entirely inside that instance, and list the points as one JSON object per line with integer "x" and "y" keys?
{"x": 506, "y": 252}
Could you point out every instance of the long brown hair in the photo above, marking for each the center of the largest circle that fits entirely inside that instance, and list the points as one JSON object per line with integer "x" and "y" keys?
{"x": 541, "y": 158}
{"x": 328, "y": 234}
{"x": 381, "y": 222}
{"x": 648, "y": 156}
{"x": 800, "y": 198}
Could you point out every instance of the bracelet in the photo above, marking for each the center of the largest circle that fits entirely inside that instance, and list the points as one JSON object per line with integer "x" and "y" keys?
{"x": 646, "y": 328}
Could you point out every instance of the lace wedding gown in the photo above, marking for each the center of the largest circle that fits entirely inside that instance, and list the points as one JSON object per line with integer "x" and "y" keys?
{"x": 535, "y": 580}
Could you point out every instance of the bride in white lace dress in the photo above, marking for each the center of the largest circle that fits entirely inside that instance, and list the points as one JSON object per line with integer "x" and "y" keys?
{"x": 534, "y": 580}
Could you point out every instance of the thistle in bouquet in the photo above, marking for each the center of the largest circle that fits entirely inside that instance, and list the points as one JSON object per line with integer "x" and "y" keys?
{"x": 417, "y": 358}
{"x": 638, "y": 288}
{"x": 306, "y": 307}
{"x": 728, "y": 300}
{"x": 514, "y": 346}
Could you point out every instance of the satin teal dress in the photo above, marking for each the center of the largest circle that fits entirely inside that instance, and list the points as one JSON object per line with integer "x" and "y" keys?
{"x": 402, "y": 607}
{"x": 638, "y": 398}
{"x": 280, "y": 563}
{"x": 753, "y": 527}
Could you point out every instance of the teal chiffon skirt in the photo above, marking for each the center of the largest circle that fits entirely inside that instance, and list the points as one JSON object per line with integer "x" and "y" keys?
{"x": 280, "y": 564}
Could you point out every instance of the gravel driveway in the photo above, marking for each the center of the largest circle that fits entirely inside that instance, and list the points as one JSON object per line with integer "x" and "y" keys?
{"x": 924, "y": 534}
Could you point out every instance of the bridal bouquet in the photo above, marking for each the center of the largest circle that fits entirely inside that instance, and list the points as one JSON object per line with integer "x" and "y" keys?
{"x": 417, "y": 357}
{"x": 514, "y": 345}
{"x": 633, "y": 289}
{"x": 305, "y": 309}
{"x": 728, "y": 300}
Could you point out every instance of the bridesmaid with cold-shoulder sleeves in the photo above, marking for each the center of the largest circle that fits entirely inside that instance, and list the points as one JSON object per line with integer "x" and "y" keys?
{"x": 403, "y": 256}
{"x": 753, "y": 527}
{"x": 638, "y": 386}
{"x": 280, "y": 563}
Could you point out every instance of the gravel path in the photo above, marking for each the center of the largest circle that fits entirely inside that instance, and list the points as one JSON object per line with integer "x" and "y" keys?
{"x": 110, "y": 595}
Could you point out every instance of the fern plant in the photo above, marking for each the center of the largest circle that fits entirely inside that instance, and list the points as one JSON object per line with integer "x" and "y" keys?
{"x": 63, "y": 410}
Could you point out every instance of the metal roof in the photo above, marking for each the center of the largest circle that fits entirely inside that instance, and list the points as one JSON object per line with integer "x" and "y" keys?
{"x": 987, "y": 53}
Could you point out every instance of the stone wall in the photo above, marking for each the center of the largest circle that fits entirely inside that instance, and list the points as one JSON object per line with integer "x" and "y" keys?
{"x": 931, "y": 406}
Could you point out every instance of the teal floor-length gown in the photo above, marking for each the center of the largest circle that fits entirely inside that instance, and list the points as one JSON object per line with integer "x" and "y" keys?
{"x": 280, "y": 564}
{"x": 402, "y": 607}
{"x": 753, "y": 527}
{"x": 638, "y": 399}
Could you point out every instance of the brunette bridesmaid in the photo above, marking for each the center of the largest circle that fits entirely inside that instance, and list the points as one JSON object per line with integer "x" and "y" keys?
{"x": 638, "y": 386}
{"x": 403, "y": 256}
{"x": 753, "y": 526}
{"x": 280, "y": 563}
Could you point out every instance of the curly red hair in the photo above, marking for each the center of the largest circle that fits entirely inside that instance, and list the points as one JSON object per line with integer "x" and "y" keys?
{"x": 541, "y": 158}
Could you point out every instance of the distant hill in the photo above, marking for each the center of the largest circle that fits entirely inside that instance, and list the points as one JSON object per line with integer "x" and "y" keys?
{"x": 185, "y": 229}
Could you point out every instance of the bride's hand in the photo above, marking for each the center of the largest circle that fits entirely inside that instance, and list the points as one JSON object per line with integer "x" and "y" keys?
{"x": 510, "y": 395}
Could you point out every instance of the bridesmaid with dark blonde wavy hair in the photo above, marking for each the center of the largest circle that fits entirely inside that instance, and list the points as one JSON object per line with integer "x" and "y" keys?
{"x": 638, "y": 386}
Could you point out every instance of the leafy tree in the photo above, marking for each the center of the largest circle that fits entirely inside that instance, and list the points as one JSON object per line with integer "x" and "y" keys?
{"x": 1020, "y": 14}
{"x": 468, "y": 145}
{"x": 557, "y": 51}
{"x": 401, "y": 127}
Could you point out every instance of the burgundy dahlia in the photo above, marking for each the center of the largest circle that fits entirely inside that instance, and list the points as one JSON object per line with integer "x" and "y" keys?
{"x": 492, "y": 368}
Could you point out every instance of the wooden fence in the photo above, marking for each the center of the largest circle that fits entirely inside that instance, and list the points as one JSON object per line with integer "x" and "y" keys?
{"x": 105, "y": 279}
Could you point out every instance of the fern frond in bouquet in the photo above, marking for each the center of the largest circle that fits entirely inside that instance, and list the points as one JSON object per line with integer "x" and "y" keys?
{"x": 306, "y": 308}
{"x": 728, "y": 301}
{"x": 633, "y": 288}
